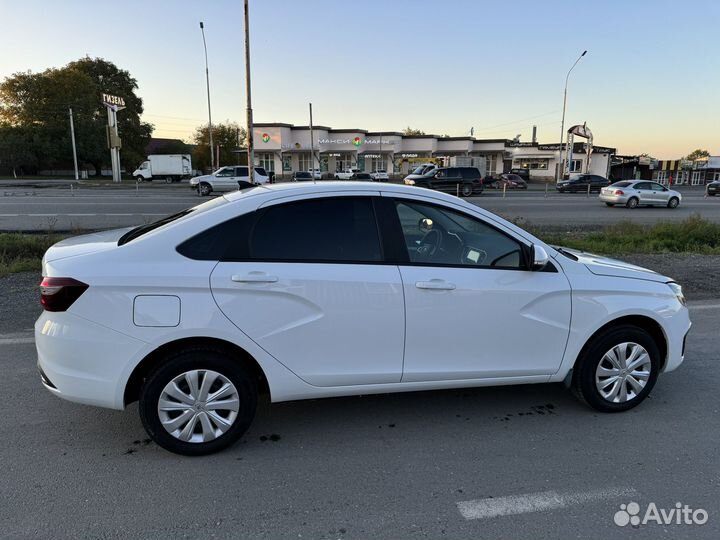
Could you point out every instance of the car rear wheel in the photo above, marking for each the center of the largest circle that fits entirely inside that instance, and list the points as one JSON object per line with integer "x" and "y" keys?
{"x": 673, "y": 202}
{"x": 198, "y": 402}
{"x": 632, "y": 202}
{"x": 617, "y": 370}
{"x": 466, "y": 190}
{"x": 204, "y": 189}
{"x": 168, "y": 179}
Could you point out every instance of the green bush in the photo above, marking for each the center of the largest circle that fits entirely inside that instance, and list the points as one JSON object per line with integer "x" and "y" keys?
{"x": 693, "y": 235}
{"x": 23, "y": 252}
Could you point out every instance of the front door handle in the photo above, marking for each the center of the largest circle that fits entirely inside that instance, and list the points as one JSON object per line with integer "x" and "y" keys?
{"x": 254, "y": 277}
{"x": 435, "y": 284}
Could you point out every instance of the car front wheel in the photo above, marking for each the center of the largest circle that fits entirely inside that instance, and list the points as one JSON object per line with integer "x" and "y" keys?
{"x": 617, "y": 370}
{"x": 198, "y": 402}
{"x": 673, "y": 202}
{"x": 204, "y": 189}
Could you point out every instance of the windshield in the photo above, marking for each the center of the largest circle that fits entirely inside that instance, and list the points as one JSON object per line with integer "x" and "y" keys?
{"x": 132, "y": 234}
{"x": 420, "y": 169}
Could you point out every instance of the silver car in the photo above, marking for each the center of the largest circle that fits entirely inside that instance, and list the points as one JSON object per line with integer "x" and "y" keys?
{"x": 633, "y": 193}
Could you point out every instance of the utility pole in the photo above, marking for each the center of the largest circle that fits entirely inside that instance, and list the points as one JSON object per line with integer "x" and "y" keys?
{"x": 250, "y": 151}
{"x": 561, "y": 161}
{"x": 207, "y": 81}
{"x": 72, "y": 137}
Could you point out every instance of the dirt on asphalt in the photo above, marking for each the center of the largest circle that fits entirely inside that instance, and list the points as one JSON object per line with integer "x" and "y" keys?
{"x": 20, "y": 304}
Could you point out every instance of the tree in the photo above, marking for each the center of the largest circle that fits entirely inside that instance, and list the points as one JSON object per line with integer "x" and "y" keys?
{"x": 697, "y": 154}
{"x": 410, "y": 131}
{"x": 34, "y": 107}
{"x": 229, "y": 136}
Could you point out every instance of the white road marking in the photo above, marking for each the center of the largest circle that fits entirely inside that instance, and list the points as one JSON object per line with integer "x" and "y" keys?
{"x": 16, "y": 339}
{"x": 704, "y": 306}
{"x": 536, "y": 502}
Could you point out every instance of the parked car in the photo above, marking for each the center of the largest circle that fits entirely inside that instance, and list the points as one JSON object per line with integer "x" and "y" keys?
{"x": 379, "y": 175}
{"x": 510, "y": 181}
{"x": 581, "y": 183}
{"x": 522, "y": 173}
{"x": 347, "y": 174}
{"x": 634, "y": 193}
{"x": 463, "y": 180}
{"x": 362, "y": 176}
{"x": 316, "y": 174}
{"x": 713, "y": 188}
{"x": 302, "y": 176}
{"x": 227, "y": 179}
{"x": 422, "y": 171}
{"x": 276, "y": 290}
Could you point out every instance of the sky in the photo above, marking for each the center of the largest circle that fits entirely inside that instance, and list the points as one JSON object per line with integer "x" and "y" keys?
{"x": 650, "y": 81}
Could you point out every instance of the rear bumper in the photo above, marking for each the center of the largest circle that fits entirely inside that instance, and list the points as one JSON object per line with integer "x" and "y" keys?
{"x": 614, "y": 199}
{"x": 82, "y": 361}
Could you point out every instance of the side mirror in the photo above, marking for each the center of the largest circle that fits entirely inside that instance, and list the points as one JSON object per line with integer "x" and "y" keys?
{"x": 540, "y": 257}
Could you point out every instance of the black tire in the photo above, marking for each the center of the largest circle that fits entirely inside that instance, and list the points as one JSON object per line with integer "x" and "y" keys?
{"x": 203, "y": 359}
{"x": 168, "y": 179}
{"x": 139, "y": 179}
{"x": 466, "y": 190}
{"x": 673, "y": 202}
{"x": 583, "y": 384}
{"x": 204, "y": 189}
{"x": 632, "y": 202}
{"x": 610, "y": 203}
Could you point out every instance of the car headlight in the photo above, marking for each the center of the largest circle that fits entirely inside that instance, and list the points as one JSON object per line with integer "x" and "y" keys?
{"x": 677, "y": 289}
{"x": 409, "y": 182}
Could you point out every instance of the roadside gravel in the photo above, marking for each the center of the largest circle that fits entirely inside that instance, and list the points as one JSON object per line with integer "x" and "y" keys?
{"x": 696, "y": 273}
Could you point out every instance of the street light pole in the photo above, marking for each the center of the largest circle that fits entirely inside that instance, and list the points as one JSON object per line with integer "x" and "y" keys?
{"x": 72, "y": 137}
{"x": 561, "y": 161}
{"x": 250, "y": 151}
{"x": 207, "y": 80}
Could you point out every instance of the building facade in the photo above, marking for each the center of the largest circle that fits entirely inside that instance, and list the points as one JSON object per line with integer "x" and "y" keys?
{"x": 286, "y": 148}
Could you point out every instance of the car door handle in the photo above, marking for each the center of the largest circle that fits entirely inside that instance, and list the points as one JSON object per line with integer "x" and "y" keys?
{"x": 436, "y": 284}
{"x": 254, "y": 277}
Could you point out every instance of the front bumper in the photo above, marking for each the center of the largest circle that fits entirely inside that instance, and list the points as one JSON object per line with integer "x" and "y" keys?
{"x": 82, "y": 361}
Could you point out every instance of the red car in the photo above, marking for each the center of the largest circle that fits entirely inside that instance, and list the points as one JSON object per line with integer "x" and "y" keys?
{"x": 510, "y": 181}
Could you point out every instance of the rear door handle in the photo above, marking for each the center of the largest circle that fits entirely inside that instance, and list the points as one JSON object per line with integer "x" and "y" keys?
{"x": 254, "y": 277}
{"x": 436, "y": 284}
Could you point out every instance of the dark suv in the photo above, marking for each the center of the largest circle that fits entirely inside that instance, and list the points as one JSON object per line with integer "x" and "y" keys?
{"x": 457, "y": 180}
{"x": 581, "y": 183}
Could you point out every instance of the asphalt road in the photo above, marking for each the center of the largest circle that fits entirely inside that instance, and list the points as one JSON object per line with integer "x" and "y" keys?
{"x": 90, "y": 209}
{"x": 515, "y": 462}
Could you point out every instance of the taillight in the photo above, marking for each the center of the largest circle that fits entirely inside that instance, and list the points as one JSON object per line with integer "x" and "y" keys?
{"x": 619, "y": 192}
{"x": 59, "y": 293}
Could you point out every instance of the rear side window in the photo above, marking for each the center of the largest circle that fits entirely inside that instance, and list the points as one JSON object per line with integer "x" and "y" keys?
{"x": 470, "y": 173}
{"x": 320, "y": 230}
{"x": 225, "y": 241}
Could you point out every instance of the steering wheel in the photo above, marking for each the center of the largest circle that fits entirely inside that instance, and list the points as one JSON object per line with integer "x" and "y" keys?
{"x": 430, "y": 243}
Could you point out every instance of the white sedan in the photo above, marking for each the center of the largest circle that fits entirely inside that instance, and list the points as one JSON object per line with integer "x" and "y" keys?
{"x": 379, "y": 175}
{"x": 347, "y": 174}
{"x": 634, "y": 193}
{"x": 277, "y": 288}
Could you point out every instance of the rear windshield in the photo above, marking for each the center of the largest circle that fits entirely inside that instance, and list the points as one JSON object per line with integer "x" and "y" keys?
{"x": 622, "y": 184}
{"x": 137, "y": 232}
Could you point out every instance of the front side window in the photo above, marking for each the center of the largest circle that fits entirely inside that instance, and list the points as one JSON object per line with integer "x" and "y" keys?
{"x": 339, "y": 229}
{"x": 225, "y": 172}
{"x": 439, "y": 236}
